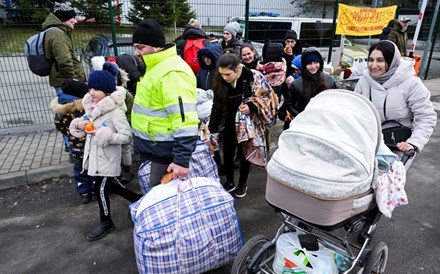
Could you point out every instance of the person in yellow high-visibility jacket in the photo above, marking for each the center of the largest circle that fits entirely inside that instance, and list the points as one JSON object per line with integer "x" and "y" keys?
{"x": 164, "y": 117}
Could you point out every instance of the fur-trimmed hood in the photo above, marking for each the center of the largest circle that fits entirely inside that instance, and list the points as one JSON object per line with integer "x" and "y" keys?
{"x": 63, "y": 109}
{"x": 115, "y": 100}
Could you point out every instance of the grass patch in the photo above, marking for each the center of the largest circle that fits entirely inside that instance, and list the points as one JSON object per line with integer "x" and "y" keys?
{"x": 13, "y": 38}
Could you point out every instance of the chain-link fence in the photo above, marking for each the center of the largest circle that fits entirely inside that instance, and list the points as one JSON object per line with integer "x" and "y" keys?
{"x": 25, "y": 97}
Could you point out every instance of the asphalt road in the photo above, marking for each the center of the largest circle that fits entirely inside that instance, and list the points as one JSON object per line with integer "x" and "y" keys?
{"x": 43, "y": 227}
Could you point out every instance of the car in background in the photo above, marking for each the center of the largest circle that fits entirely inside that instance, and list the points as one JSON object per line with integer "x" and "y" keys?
{"x": 353, "y": 54}
{"x": 102, "y": 45}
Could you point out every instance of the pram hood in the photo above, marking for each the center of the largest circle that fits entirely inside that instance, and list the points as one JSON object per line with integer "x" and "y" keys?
{"x": 329, "y": 150}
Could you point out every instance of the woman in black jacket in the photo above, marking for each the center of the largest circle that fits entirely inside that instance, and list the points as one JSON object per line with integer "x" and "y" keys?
{"x": 313, "y": 80}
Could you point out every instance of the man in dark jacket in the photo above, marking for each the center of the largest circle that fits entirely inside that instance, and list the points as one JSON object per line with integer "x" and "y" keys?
{"x": 398, "y": 34}
{"x": 58, "y": 46}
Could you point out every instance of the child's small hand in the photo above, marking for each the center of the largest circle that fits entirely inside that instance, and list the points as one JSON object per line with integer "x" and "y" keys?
{"x": 82, "y": 125}
{"x": 91, "y": 128}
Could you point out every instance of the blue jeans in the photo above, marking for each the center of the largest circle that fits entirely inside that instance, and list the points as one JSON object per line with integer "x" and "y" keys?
{"x": 84, "y": 183}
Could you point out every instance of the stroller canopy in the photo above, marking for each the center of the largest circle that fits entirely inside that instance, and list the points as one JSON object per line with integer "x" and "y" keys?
{"x": 329, "y": 150}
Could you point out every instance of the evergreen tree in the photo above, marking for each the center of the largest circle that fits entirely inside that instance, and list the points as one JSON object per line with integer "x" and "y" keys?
{"x": 165, "y": 12}
{"x": 96, "y": 9}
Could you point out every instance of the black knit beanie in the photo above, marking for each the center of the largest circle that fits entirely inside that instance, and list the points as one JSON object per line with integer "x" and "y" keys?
{"x": 149, "y": 32}
{"x": 63, "y": 11}
{"x": 311, "y": 57}
{"x": 75, "y": 88}
{"x": 291, "y": 34}
{"x": 102, "y": 80}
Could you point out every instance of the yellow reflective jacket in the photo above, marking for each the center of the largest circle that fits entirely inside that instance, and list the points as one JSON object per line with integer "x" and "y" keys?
{"x": 164, "y": 116}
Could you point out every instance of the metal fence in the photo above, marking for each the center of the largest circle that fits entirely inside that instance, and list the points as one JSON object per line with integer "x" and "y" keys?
{"x": 25, "y": 97}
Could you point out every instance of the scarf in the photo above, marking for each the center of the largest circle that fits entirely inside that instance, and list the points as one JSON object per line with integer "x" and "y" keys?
{"x": 391, "y": 69}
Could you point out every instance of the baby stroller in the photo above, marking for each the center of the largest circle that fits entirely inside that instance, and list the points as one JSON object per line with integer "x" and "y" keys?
{"x": 319, "y": 180}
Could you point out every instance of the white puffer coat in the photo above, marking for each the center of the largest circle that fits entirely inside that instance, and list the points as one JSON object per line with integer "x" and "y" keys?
{"x": 102, "y": 152}
{"x": 407, "y": 101}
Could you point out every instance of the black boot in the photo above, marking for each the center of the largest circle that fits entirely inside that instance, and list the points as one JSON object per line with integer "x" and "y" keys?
{"x": 101, "y": 230}
{"x": 126, "y": 174}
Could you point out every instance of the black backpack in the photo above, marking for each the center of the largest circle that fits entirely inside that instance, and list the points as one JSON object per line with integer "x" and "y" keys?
{"x": 35, "y": 54}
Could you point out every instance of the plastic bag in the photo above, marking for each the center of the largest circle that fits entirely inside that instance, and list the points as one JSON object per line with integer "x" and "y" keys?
{"x": 290, "y": 257}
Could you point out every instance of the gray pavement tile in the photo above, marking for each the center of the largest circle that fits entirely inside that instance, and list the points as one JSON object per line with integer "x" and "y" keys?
{"x": 15, "y": 168}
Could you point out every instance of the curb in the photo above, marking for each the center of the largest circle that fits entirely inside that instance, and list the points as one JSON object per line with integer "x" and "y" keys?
{"x": 33, "y": 176}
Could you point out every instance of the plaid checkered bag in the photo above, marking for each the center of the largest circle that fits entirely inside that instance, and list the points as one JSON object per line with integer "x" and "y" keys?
{"x": 201, "y": 165}
{"x": 185, "y": 226}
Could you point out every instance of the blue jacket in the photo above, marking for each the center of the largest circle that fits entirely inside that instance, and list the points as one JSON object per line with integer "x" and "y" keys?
{"x": 204, "y": 76}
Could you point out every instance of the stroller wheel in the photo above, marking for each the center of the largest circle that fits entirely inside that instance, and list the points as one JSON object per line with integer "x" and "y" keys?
{"x": 254, "y": 254}
{"x": 377, "y": 259}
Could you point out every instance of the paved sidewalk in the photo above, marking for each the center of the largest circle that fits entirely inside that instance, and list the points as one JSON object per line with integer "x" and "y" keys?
{"x": 28, "y": 158}
{"x": 32, "y": 157}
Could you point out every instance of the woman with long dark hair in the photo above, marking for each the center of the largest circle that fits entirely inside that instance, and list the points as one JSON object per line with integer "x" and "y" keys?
{"x": 241, "y": 96}
{"x": 313, "y": 80}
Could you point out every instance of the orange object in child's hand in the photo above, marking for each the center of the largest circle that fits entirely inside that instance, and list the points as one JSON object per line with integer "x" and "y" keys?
{"x": 90, "y": 127}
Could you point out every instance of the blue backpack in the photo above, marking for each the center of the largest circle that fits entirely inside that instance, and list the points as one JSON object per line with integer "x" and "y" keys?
{"x": 35, "y": 55}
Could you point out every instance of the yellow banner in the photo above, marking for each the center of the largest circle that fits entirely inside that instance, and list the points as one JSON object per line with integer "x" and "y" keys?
{"x": 363, "y": 21}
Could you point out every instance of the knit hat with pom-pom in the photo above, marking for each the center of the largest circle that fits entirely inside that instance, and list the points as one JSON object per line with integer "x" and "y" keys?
{"x": 102, "y": 80}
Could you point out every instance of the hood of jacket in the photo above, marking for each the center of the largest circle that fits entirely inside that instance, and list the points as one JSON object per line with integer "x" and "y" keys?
{"x": 213, "y": 51}
{"x": 402, "y": 73}
{"x": 63, "y": 109}
{"x": 192, "y": 32}
{"x": 115, "y": 100}
{"x": 53, "y": 21}
{"x": 308, "y": 51}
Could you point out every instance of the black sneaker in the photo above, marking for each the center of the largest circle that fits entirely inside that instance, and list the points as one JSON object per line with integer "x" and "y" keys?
{"x": 229, "y": 187}
{"x": 241, "y": 190}
{"x": 100, "y": 231}
{"x": 85, "y": 198}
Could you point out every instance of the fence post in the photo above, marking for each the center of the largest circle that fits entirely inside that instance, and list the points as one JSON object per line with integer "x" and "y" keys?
{"x": 246, "y": 21}
{"x": 112, "y": 25}
{"x": 335, "y": 16}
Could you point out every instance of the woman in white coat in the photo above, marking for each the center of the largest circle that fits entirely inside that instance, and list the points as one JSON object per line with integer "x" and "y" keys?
{"x": 391, "y": 85}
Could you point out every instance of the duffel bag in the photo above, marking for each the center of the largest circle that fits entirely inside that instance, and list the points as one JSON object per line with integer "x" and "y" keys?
{"x": 185, "y": 226}
{"x": 201, "y": 164}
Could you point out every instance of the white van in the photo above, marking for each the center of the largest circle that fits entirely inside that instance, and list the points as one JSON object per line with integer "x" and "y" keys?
{"x": 315, "y": 32}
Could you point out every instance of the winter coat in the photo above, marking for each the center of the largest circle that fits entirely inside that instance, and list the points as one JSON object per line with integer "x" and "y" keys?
{"x": 134, "y": 68}
{"x": 407, "y": 101}
{"x": 250, "y": 84}
{"x": 58, "y": 47}
{"x": 235, "y": 45}
{"x": 399, "y": 37}
{"x": 102, "y": 153}
{"x": 253, "y": 64}
{"x": 64, "y": 114}
{"x": 303, "y": 89}
{"x": 164, "y": 116}
{"x": 204, "y": 76}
